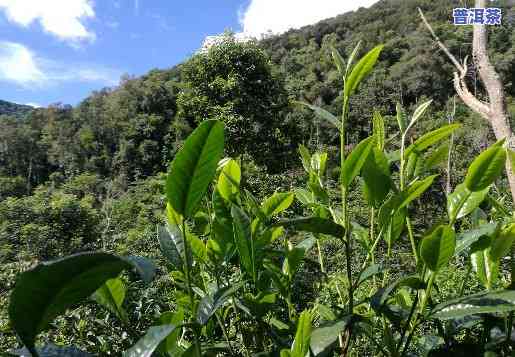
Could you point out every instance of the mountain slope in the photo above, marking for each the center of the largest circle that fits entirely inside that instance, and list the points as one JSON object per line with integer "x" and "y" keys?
{"x": 134, "y": 129}
{"x": 13, "y": 109}
{"x": 411, "y": 66}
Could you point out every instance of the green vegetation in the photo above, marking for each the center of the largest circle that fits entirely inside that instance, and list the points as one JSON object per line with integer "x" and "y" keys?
{"x": 237, "y": 205}
{"x": 13, "y": 109}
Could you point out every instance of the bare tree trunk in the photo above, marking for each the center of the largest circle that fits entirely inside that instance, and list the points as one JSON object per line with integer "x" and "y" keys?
{"x": 493, "y": 111}
{"x": 448, "y": 185}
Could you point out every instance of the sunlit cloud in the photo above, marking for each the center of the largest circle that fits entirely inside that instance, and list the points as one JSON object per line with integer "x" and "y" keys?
{"x": 64, "y": 19}
{"x": 21, "y": 66}
{"x": 277, "y": 16}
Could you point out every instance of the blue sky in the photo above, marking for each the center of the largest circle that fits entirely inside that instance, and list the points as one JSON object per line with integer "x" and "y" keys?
{"x": 61, "y": 50}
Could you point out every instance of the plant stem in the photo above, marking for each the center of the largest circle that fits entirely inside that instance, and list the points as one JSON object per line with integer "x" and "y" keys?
{"x": 224, "y": 331}
{"x": 414, "y": 249}
{"x": 401, "y": 170}
{"x": 347, "y": 235}
{"x": 349, "y": 276}
{"x": 408, "y": 322}
{"x": 371, "y": 252}
{"x": 427, "y": 294}
{"x": 448, "y": 187}
{"x": 320, "y": 257}
{"x": 402, "y": 184}
{"x": 371, "y": 239}
{"x": 188, "y": 283}
{"x": 186, "y": 263}
{"x": 372, "y": 233}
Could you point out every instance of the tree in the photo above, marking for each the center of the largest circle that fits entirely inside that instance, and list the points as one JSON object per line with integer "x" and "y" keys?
{"x": 494, "y": 109}
{"x": 236, "y": 83}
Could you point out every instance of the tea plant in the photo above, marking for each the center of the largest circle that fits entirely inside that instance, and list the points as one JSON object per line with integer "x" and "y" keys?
{"x": 234, "y": 260}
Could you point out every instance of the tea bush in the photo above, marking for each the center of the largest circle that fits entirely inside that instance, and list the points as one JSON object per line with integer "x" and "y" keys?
{"x": 362, "y": 269}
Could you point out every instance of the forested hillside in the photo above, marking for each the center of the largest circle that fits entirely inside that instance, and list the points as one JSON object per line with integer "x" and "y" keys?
{"x": 92, "y": 177}
{"x": 125, "y": 130}
{"x": 13, "y": 109}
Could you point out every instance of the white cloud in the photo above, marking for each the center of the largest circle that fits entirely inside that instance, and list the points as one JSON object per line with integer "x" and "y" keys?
{"x": 277, "y": 16}
{"x": 18, "y": 64}
{"x": 62, "y": 18}
{"x": 21, "y": 66}
{"x": 35, "y": 105}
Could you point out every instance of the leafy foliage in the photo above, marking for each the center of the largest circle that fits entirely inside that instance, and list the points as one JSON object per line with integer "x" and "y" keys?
{"x": 362, "y": 255}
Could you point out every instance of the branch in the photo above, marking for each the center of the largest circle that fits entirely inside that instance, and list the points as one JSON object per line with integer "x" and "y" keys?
{"x": 466, "y": 96}
{"x": 440, "y": 43}
{"x": 459, "y": 78}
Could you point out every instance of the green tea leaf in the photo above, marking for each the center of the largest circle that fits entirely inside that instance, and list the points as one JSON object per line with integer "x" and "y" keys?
{"x": 415, "y": 190}
{"x": 318, "y": 162}
{"x": 511, "y": 157}
{"x": 502, "y": 244}
{"x": 229, "y": 181}
{"x": 194, "y": 167}
{"x": 244, "y": 241}
{"x": 306, "y": 158}
{"x": 396, "y": 225}
{"x": 111, "y": 296}
{"x": 414, "y": 160}
{"x": 314, "y": 225}
{"x": 355, "y": 161}
{"x": 378, "y": 130}
{"x": 260, "y": 304}
{"x": 277, "y": 203}
{"x": 392, "y": 219}
{"x": 461, "y": 202}
{"x": 210, "y": 303}
{"x": 351, "y": 58}
{"x": 466, "y": 239}
{"x": 485, "y": 168}
{"x": 376, "y": 177}
{"x": 304, "y": 196}
{"x": 221, "y": 242}
{"x": 172, "y": 245}
{"x": 300, "y": 345}
{"x": 431, "y": 138}
{"x": 295, "y": 255}
{"x": 417, "y": 114}
{"x": 481, "y": 303}
{"x": 369, "y": 272}
{"x": 436, "y": 157}
{"x": 438, "y": 248}
{"x": 198, "y": 247}
{"x": 146, "y": 346}
{"x": 325, "y": 337}
{"x": 361, "y": 70}
{"x": 338, "y": 61}
{"x": 381, "y": 296}
{"x": 169, "y": 345}
{"x": 486, "y": 269}
{"x": 60, "y": 285}
{"x": 323, "y": 114}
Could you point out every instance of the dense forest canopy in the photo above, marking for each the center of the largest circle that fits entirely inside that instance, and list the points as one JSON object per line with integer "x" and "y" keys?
{"x": 13, "y": 109}
{"x": 92, "y": 176}
{"x": 131, "y": 130}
